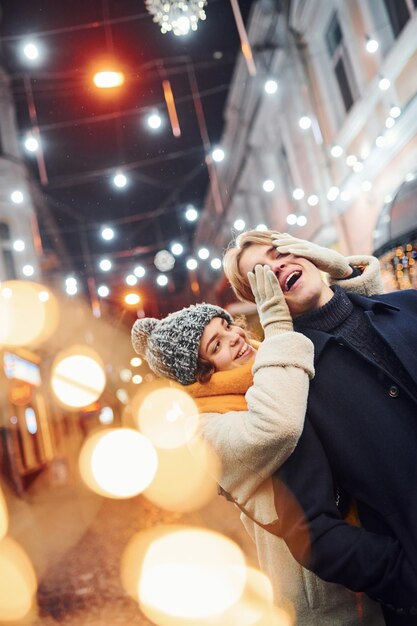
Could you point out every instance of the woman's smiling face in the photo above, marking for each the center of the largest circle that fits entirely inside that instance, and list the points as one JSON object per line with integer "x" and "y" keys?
{"x": 224, "y": 345}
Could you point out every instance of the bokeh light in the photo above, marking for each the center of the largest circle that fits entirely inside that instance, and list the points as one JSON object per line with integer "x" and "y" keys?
{"x": 186, "y": 478}
{"x": 162, "y": 280}
{"x": 168, "y": 417}
{"x": 120, "y": 180}
{"x": 31, "y": 50}
{"x": 177, "y": 248}
{"x": 27, "y": 317}
{"x": 191, "y": 264}
{"x": 218, "y": 155}
{"x": 271, "y": 86}
{"x": 255, "y": 607}
{"x": 19, "y": 245}
{"x": 191, "y": 213}
{"x": 107, "y": 233}
{"x": 77, "y": 376}
{"x": 31, "y": 143}
{"x": 18, "y": 581}
{"x": 180, "y": 574}
{"x": 17, "y": 197}
{"x": 28, "y": 270}
{"x": 139, "y": 271}
{"x": 132, "y": 299}
{"x": 4, "y": 516}
{"x": 154, "y": 121}
{"x": 131, "y": 280}
{"x": 117, "y": 462}
{"x": 108, "y": 79}
{"x": 216, "y": 263}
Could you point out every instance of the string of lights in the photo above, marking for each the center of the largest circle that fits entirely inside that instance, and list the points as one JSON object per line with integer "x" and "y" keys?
{"x": 268, "y": 185}
{"x": 370, "y": 42}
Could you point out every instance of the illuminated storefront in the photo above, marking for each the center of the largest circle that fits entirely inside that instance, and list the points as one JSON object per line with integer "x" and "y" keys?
{"x": 395, "y": 237}
{"x": 25, "y": 431}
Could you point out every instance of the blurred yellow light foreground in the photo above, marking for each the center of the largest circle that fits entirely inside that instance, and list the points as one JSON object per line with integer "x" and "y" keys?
{"x": 255, "y": 607}
{"x": 77, "y": 377}
{"x": 108, "y": 79}
{"x": 180, "y": 574}
{"x": 4, "y": 516}
{"x": 186, "y": 479}
{"x": 168, "y": 417}
{"x": 28, "y": 313}
{"x": 118, "y": 462}
{"x": 18, "y": 581}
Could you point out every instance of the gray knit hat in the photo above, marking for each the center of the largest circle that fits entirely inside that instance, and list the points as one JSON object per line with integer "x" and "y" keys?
{"x": 171, "y": 345}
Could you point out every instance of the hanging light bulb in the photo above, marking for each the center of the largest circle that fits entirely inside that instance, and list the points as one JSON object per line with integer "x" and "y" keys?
{"x": 177, "y": 16}
{"x": 371, "y": 45}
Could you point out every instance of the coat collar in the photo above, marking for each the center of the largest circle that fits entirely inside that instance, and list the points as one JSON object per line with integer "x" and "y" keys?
{"x": 321, "y": 339}
{"x": 371, "y": 304}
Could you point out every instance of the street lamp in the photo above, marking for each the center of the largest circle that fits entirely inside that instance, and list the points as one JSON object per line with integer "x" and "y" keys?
{"x": 108, "y": 79}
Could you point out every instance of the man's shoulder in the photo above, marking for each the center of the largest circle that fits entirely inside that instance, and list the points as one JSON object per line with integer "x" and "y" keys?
{"x": 397, "y": 297}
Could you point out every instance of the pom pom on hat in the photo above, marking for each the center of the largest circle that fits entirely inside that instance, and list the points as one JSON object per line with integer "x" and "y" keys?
{"x": 141, "y": 331}
{"x": 171, "y": 345}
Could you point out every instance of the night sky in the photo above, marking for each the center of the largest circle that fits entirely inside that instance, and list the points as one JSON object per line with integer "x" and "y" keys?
{"x": 82, "y": 155}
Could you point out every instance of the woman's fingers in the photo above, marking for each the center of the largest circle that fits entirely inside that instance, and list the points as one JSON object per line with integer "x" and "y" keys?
{"x": 252, "y": 283}
{"x": 274, "y": 283}
{"x": 260, "y": 280}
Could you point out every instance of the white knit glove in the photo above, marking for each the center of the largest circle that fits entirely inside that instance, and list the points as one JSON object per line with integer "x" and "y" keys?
{"x": 273, "y": 311}
{"x": 327, "y": 260}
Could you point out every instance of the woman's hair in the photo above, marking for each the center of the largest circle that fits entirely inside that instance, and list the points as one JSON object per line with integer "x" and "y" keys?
{"x": 233, "y": 255}
{"x": 205, "y": 369}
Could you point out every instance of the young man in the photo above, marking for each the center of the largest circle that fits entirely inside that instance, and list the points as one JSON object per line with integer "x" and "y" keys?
{"x": 360, "y": 436}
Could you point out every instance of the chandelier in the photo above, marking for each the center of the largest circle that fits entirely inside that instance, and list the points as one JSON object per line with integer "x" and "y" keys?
{"x": 178, "y": 16}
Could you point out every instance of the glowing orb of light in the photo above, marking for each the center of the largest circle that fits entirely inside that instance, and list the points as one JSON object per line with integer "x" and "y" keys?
{"x": 118, "y": 462}
{"x": 77, "y": 377}
{"x": 132, "y": 298}
{"x": 29, "y": 313}
{"x": 255, "y": 607}
{"x": 168, "y": 417}
{"x": 18, "y": 581}
{"x": 164, "y": 261}
{"x": 186, "y": 478}
{"x": 183, "y": 573}
{"x": 108, "y": 79}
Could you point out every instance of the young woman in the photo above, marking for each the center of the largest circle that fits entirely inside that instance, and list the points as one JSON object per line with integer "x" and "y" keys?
{"x": 253, "y": 398}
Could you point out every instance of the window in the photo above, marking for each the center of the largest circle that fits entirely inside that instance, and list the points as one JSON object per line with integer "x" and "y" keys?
{"x": 341, "y": 62}
{"x": 6, "y": 252}
{"x": 399, "y": 12}
{"x": 4, "y": 232}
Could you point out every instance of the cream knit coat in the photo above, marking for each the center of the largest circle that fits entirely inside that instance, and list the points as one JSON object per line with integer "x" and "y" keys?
{"x": 252, "y": 444}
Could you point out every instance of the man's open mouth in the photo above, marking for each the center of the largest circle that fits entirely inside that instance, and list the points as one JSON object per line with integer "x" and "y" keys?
{"x": 291, "y": 280}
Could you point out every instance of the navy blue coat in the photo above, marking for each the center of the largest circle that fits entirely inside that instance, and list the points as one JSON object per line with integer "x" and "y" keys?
{"x": 360, "y": 437}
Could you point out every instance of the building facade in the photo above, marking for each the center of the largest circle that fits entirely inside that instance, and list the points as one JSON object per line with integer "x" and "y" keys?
{"x": 325, "y": 154}
{"x": 20, "y": 246}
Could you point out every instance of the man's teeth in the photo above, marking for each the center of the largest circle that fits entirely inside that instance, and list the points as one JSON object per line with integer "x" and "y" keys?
{"x": 289, "y": 282}
{"x": 243, "y": 350}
